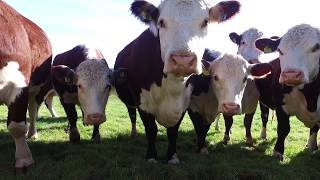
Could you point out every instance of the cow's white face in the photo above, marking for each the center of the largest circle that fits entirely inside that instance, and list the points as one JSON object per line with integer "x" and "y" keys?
{"x": 230, "y": 74}
{"x": 93, "y": 83}
{"x": 246, "y": 43}
{"x": 182, "y": 26}
{"x": 299, "y": 51}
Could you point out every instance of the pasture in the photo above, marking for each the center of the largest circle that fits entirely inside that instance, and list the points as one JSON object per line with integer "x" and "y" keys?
{"x": 121, "y": 157}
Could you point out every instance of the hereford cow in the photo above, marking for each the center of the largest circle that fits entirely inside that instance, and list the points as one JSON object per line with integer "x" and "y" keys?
{"x": 248, "y": 51}
{"x": 228, "y": 88}
{"x": 294, "y": 87}
{"x": 152, "y": 70}
{"x": 25, "y": 61}
{"x": 82, "y": 76}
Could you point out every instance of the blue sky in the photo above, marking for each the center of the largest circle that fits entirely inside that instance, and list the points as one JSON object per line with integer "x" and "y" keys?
{"x": 109, "y": 25}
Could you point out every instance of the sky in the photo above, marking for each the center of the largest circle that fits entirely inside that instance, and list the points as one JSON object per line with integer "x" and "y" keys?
{"x": 109, "y": 25}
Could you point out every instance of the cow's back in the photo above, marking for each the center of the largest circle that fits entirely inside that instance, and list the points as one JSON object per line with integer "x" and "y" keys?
{"x": 141, "y": 63}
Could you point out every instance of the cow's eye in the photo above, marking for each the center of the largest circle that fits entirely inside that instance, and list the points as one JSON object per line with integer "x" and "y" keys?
{"x": 204, "y": 24}
{"x": 161, "y": 24}
{"x": 316, "y": 47}
{"x": 79, "y": 86}
{"x": 243, "y": 43}
{"x": 245, "y": 79}
{"x": 280, "y": 52}
{"x": 215, "y": 77}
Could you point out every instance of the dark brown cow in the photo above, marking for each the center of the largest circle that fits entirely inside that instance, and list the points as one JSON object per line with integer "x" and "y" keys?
{"x": 25, "y": 60}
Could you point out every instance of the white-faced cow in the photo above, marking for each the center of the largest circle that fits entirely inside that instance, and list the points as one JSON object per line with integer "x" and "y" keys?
{"x": 295, "y": 84}
{"x": 81, "y": 76}
{"x": 152, "y": 70}
{"x": 228, "y": 89}
{"x": 248, "y": 50}
{"x": 25, "y": 61}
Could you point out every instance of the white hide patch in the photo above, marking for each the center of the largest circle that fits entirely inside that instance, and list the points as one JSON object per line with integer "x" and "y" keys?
{"x": 205, "y": 104}
{"x": 247, "y": 48}
{"x": 296, "y": 104}
{"x": 11, "y": 82}
{"x": 167, "y": 102}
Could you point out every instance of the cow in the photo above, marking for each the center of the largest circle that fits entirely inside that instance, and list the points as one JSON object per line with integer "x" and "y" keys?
{"x": 81, "y": 76}
{"x": 248, "y": 51}
{"x": 227, "y": 87}
{"x": 151, "y": 71}
{"x": 25, "y": 62}
{"x": 294, "y": 87}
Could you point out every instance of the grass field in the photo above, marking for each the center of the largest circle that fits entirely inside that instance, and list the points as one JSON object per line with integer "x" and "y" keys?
{"x": 121, "y": 157}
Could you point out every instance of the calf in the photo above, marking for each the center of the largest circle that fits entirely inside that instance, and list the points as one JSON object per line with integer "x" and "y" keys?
{"x": 228, "y": 89}
{"x": 152, "y": 70}
{"x": 25, "y": 61}
{"x": 248, "y": 51}
{"x": 81, "y": 76}
{"x": 295, "y": 83}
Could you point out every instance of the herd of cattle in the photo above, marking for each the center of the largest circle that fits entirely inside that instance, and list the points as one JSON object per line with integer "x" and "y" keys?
{"x": 163, "y": 73}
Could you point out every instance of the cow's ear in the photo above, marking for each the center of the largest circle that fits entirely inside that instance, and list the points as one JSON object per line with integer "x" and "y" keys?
{"x": 224, "y": 11}
{"x": 206, "y": 67}
{"x": 260, "y": 70}
{"x": 64, "y": 75}
{"x": 145, "y": 11}
{"x": 267, "y": 45}
{"x": 235, "y": 38}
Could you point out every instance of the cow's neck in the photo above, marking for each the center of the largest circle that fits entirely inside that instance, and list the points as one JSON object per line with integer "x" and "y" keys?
{"x": 311, "y": 92}
{"x": 168, "y": 101}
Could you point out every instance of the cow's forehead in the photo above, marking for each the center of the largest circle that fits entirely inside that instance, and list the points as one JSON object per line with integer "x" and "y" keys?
{"x": 302, "y": 36}
{"x": 92, "y": 70}
{"x": 230, "y": 65}
{"x": 251, "y": 35}
{"x": 177, "y": 9}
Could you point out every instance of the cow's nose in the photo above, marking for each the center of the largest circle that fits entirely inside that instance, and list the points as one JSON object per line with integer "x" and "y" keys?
{"x": 291, "y": 77}
{"x": 182, "y": 64}
{"x": 231, "y": 108}
{"x": 95, "y": 119}
{"x": 186, "y": 61}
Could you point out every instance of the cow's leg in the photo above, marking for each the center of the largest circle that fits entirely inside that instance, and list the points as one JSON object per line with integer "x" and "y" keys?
{"x": 33, "y": 109}
{"x": 264, "y": 117}
{"x": 133, "y": 117}
{"x": 283, "y": 130}
{"x": 96, "y": 134}
{"x": 247, "y": 124}
{"x": 48, "y": 103}
{"x": 71, "y": 112}
{"x": 172, "y": 134}
{"x": 151, "y": 130}
{"x": 18, "y": 128}
{"x": 228, "y": 121}
{"x": 216, "y": 127}
{"x": 312, "y": 142}
{"x": 201, "y": 129}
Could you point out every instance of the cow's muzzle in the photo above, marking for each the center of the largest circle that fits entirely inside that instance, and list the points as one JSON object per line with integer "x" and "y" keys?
{"x": 94, "y": 119}
{"x": 230, "y": 108}
{"x": 291, "y": 77}
{"x": 182, "y": 64}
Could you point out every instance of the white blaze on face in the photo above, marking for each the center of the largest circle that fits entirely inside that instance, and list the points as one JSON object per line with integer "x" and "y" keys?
{"x": 247, "y": 48}
{"x": 229, "y": 78}
{"x": 299, "y": 50}
{"x": 181, "y": 28}
{"x": 93, "y": 86}
{"x": 11, "y": 82}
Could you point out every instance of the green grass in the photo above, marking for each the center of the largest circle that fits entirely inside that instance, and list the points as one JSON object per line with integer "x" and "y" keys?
{"x": 121, "y": 157}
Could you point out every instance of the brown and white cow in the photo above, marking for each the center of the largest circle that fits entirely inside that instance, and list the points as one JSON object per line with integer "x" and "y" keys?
{"x": 25, "y": 61}
{"x": 296, "y": 82}
{"x": 229, "y": 89}
{"x": 247, "y": 49}
{"x": 81, "y": 76}
{"x": 152, "y": 70}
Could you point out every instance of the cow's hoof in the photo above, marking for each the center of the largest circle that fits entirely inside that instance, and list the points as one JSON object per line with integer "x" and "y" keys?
{"x": 152, "y": 161}
{"x": 23, "y": 164}
{"x": 249, "y": 141}
{"x": 174, "y": 160}
{"x": 312, "y": 147}
{"x": 226, "y": 139}
{"x": 96, "y": 139}
{"x": 74, "y": 135}
{"x": 32, "y": 135}
{"x": 277, "y": 155}
{"x": 263, "y": 134}
{"x": 204, "y": 151}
